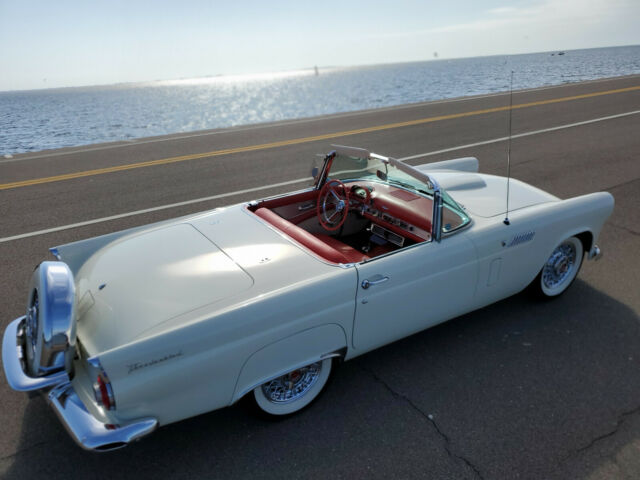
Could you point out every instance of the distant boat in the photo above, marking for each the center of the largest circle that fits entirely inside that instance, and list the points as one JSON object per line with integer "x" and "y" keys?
{"x": 560, "y": 53}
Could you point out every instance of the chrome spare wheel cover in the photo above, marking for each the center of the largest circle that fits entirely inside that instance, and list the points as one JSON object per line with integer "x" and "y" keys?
{"x": 49, "y": 328}
{"x": 559, "y": 266}
{"x": 293, "y": 385}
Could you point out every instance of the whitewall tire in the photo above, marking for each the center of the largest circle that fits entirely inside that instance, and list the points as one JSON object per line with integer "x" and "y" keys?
{"x": 560, "y": 269}
{"x": 293, "y": 391}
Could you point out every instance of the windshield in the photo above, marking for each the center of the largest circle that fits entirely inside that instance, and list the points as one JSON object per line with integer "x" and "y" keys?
{"x": 380, "y": 169}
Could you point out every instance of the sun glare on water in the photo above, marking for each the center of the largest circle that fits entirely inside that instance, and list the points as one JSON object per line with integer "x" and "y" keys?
{"x": 248, "y": 77}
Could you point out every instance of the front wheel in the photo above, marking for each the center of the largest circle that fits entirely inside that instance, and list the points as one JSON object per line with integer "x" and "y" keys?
{"x": 560, "y": 269}
{"x": 293, "y": 391}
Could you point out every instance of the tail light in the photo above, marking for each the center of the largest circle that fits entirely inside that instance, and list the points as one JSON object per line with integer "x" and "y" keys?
{"x": 102, "y": 389}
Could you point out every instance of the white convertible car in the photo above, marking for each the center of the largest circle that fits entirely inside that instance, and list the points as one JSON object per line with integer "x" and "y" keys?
{"x": 257, "y": 301}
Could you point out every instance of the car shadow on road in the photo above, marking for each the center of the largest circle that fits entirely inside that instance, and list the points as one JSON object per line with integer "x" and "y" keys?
{"x": 520, "y": 388}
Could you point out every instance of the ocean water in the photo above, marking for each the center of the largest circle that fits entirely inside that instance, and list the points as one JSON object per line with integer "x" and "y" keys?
{"x": 37, "y": 120}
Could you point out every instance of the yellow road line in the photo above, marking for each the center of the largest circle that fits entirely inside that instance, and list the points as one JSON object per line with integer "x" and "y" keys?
{"x": 297, "y": 141}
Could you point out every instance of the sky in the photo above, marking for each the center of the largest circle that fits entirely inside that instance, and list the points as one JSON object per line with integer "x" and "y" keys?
{"x": 62, "y": 43}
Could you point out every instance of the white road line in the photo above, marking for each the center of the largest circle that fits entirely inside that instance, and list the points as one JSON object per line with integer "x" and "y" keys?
{"x": 218, "y": 131}
{"x": 520, "y": 135}
{"x": 152, "y": 209}
{"x": 299, "y": 180}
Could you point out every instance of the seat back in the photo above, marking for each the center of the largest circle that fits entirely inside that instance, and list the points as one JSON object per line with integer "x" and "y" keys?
{"x": 303, "y": 237}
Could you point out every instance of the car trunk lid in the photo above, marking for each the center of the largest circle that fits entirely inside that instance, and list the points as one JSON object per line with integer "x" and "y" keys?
{"x": 136, "y": 284}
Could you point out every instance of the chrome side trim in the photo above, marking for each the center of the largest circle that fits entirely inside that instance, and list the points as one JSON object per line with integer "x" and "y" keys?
{"x": 331, "y": 355}
{"x": 86, "y": 430}
{"x": 12, "y": 355}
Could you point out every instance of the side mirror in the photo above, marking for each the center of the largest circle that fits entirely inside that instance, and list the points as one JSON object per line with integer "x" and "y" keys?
{"x": 314, "y": 172}
{"x": 381, "y": 175}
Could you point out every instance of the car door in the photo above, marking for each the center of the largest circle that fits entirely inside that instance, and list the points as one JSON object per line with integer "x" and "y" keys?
{"x": 413, "y": 289}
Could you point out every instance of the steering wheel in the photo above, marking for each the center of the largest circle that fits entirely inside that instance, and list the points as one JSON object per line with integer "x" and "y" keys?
{"x": 333, "y": 205}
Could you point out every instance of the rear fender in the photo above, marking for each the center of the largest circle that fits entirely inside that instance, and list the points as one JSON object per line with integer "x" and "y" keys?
{"x": 585, "y": 217}
{"x": 510, "y": 257}
{"x": 554, "y": 222}
{"x": 293, "y": 352}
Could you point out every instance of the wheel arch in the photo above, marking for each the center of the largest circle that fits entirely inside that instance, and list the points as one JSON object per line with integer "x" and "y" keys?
{"x": 583, "y": 234}
{"x": 586, "y": 237}
{"x": 294, "y": 351}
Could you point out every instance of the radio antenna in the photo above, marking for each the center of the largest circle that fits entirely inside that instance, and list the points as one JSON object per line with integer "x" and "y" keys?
{"x": 506, "y": 218}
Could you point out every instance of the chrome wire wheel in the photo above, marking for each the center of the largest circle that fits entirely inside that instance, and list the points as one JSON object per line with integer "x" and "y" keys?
{"x": 293, "y": 385}
{"x": 293, "y": 391}
{"x": 562, "y": 267}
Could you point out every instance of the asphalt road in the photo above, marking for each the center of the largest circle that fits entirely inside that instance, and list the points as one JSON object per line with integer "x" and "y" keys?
{"x": 520, "y": 389}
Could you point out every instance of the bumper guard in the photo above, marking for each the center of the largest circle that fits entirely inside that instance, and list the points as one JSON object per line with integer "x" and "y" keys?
{"x": 595, "y": 253}
{"x": 13, "y": 356}
{"x": 86, "y": 430}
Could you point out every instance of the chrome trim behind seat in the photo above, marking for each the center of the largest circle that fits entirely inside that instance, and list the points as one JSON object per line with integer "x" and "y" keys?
{"x": 13, "y": 352}
{"x": 86, "y": 430}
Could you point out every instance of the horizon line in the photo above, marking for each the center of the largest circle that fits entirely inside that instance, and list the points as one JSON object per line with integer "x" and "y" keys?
{"x": 289, "y": 71}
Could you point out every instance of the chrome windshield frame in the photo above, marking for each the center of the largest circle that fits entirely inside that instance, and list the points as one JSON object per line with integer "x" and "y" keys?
{"x": 436, "y": 214}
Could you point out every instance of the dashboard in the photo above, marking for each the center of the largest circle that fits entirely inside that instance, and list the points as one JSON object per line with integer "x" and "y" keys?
{"x": 395, "y": 213}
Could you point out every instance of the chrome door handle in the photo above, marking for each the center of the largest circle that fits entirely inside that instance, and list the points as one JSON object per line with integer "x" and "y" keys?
{"x": 369, "y": 283}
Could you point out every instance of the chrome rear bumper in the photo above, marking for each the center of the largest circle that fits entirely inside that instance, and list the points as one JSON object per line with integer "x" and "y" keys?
{"x": 86, "y": 430}
{"x": 13, "y": 358}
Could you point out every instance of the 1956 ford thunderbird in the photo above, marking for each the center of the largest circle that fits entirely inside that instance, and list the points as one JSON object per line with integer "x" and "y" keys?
{"x": 257, "y": 301}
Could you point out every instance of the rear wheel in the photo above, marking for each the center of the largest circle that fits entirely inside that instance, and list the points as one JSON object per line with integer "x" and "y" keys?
{"x": 560, "y": 269}
{"x": 293, "y": 391}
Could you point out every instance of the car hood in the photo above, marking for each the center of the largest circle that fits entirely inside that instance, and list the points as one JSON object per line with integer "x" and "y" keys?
{"x": 146, "y": 279}
{"x": 486, "y": 195}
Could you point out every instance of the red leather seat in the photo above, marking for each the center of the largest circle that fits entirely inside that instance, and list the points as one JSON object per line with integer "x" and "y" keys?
{"x": 351, "y": 254}
{"x": 327, "y": 247}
